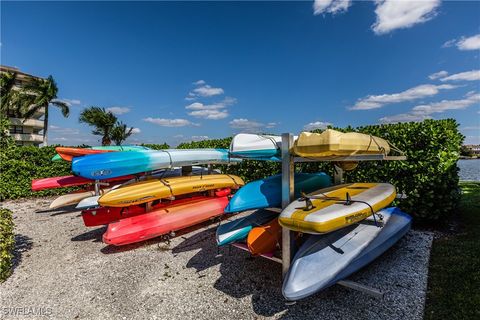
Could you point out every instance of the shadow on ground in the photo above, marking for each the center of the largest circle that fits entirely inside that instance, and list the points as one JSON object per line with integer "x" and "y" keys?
{"x": 22, "y": 245}
{"x": 94, "y": 235}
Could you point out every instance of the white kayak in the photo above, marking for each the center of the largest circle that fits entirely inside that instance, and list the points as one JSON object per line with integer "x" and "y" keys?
{"x": 256, "y": 146}
{"x": 323, "y": 260}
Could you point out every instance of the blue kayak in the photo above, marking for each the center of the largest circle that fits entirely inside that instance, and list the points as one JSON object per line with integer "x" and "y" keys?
{"x": 116, "y": 164}
{"x": 341, "y": 253}
{"x": 267, "y": 193}
{"x": 237, "y": 230}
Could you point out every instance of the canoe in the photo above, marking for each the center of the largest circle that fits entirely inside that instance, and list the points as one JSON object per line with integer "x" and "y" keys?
{"x": 73, "y": 198}
{"x": 256, "y": 146}
{"x": 267, "y": 193}
{"x": 237, "y": 230}
{"x": 68, "y": 153}
{"x": 105, "y": 215}
{"x": 153, "y": 189}
{"x": 163, "y": 221}
{"x": 335, "y": 143}
{"x": 93, "y": 201}
{"x": 116, "y": 164}
{"x": 264, "y": 239}
{"x": 329, "y": 211}
{"x": 339, "y": 254}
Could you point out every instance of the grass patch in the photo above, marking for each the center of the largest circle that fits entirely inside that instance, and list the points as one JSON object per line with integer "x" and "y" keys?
{"x": 7, "y": 243}
{"x": 454, "y": 274}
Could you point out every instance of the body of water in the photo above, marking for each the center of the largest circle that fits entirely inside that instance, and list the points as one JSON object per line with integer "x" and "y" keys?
{"x": 469, "y": 169}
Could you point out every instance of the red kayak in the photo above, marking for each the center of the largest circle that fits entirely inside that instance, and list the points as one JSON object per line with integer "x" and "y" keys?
{"x": 163, "y": 221}
{"x": 68, "y": 181}
{"x": 105, "y": 215}
{"x": 68, "y": 154}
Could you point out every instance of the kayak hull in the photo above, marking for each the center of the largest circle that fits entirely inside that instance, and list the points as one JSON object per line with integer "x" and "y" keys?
{"x": 115, "y": 164}
{"x": 266, "y": 193}
{"x": 341, "y": 253}
{"x": 163, "y": 221}
{"x": 237, "y": 230}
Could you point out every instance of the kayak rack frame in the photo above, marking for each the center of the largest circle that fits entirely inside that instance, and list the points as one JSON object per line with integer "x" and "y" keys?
{"x": 288, "y": 183}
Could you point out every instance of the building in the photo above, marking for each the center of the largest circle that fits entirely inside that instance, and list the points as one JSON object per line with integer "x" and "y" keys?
{"x": 29, "y": 131}
{"x": 474, "y": 148}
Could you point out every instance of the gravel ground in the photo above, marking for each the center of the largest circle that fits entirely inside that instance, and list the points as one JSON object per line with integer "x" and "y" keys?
{"x": 63, "y": 267}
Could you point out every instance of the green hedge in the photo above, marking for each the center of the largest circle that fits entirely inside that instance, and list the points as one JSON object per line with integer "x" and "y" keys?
{"x": 429, "y": 177}
{"x": 7, "y": 243}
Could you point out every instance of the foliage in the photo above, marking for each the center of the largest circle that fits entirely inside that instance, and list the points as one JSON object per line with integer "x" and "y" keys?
{"x": 102, "y": 120}
{"x": 466, "y": 152}
{"x": 156, "y": 146}
{"x": 7, "y": 243}
{"x": 454, "y": 274}
{"x": 120, "y": 133}
{"x": 42, "y": 93}
{"x": 20, "y": 164}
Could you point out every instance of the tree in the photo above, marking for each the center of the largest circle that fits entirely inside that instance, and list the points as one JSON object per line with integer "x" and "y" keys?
{"x": 12, "y": 100}
{"x": 42, "y": 93}
{"x": 102, "y": 120}
{"x": 120, "y": 133}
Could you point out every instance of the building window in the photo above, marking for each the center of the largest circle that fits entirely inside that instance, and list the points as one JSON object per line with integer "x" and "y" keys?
{"x": 16, "y": 129}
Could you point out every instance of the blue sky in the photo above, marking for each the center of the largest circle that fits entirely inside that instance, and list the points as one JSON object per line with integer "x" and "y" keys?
{"x": 180, "y": 71}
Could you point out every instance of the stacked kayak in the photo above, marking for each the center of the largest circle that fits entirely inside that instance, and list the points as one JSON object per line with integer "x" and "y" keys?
{"x": 67, "y": 153}
{"x": 260, "y": 230}
{"x": 116, "y": 164}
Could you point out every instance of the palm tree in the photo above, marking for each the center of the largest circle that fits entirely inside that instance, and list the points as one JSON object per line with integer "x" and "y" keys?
{"x": 120, "y": 133}
{"x": 12, "y": 100}
{"x": 102, "y": 120}
{"x": 43, "y": 93}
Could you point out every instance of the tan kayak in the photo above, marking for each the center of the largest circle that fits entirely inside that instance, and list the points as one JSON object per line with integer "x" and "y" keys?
{"x": 73, "y": 198}
{"x": 335, "y": 143}
{"x": 154, "y": 189}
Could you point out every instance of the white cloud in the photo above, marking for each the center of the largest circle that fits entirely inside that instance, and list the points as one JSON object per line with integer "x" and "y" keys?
{"x": 470, "y": 43}
{"x": 422, "y": 112}
{"x": 471, "y": 128}
{"x": 203, "y": 90}
{"x": 437, "y": 107}
{"x": 63, "y": 130}
{"x": 330, "y": 6}
{"x": 437, "y": 75}
{"x": 169, "y": 122}
{"x": 118, "y": 110}
{"x": 316, "y": 125}
{"x": 136, "y": 130}
{"x": 404, "y": 117}
{"x": 213, "y": 111}
{"x": 464, "y": 43}
{"x": 418, "y": 92}
{"x": 472, "y": 75}
{"x": 395, "y": 14}
{"x": 246, "y": 125}
{"x": 199, "y": 138}
{"x": 199, "y": 82}
{"x": 209, "y": 114}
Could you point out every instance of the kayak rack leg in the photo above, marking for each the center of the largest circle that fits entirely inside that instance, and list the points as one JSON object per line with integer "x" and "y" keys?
{"x": 288, "y": 168}
{"x": 97, "y": 187}
{"x": 338, "y": 175}
{"x": 362, "y": 288}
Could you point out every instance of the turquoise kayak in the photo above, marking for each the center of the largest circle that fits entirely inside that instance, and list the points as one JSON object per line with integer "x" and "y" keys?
{"x": 116, "y": 164}
{"x": 267, "y": 193}
{"x": 114, "y": 148}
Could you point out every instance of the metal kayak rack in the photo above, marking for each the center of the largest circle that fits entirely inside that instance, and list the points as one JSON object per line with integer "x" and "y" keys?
{"x": 288, "y": 175}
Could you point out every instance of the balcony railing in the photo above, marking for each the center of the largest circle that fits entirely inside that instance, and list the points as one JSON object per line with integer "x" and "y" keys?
{"x": 35, "y": 123}
{"x": 28, "y": 137}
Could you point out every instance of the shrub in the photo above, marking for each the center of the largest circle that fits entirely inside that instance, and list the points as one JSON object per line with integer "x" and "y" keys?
{"x": 155, "y": 146}
{"x": 7, "y": 243}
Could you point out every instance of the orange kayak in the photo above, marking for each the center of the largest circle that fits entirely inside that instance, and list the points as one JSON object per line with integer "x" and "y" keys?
{"x": 264, "y": 239}
{"x": 68, "y": 153}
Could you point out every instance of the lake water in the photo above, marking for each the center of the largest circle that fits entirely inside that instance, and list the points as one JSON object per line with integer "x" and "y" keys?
{"x": 469, "y": 169}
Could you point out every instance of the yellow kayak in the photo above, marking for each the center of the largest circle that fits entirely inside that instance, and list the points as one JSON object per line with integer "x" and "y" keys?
{"x": 154, "y": 189}
{"x": 327, "y": 209}
{"x": 335, "y": 143}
